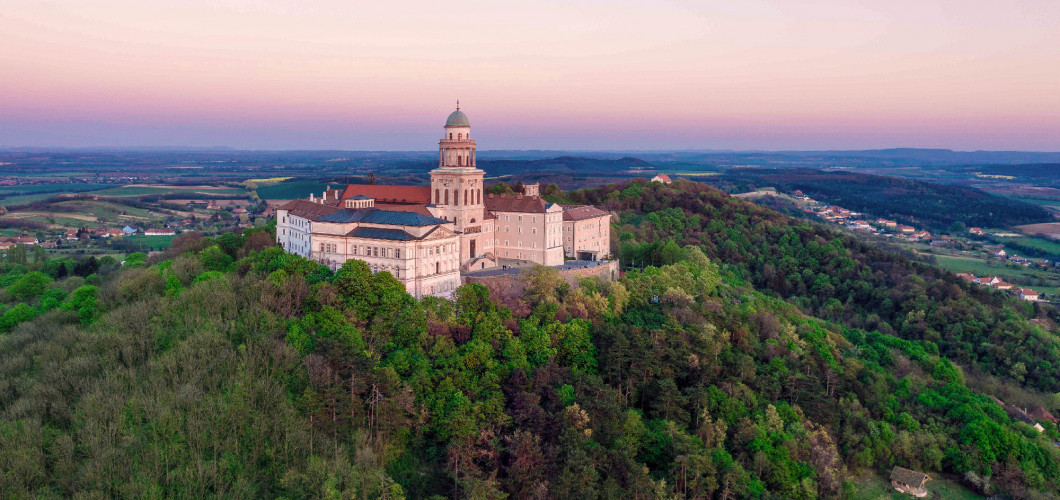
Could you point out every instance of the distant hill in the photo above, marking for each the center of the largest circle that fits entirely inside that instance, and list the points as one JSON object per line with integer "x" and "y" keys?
{"x": 578, "y": 164}
{"x": 923, "y": 204}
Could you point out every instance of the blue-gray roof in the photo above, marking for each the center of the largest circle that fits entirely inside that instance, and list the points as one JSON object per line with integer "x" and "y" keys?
{"x": 457, "y": 119}
{"x": 360, "y": 197}
{"x": 380, "y": 234}
{"x": 376, "y": 216}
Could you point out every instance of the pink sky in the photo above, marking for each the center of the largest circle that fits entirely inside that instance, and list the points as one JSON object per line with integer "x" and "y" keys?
{"x": 576, "y": 74}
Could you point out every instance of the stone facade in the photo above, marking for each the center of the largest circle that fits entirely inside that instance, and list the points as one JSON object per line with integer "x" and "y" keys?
{"x": 427, "y": 236}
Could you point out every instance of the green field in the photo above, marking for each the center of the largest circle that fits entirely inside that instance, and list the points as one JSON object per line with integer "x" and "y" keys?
{"x": 875, "y": 487}
{"x": 25, "y": 199}
{"x": 147, "y": 243}
{"x": 1038, "y": 243}
{"x": 100, "y": 209}
{"x": 292, "y": 190}
{"x": 51, "y": 189}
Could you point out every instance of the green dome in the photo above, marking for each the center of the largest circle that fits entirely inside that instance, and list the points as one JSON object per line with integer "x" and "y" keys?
{"x": 457, "y": 119}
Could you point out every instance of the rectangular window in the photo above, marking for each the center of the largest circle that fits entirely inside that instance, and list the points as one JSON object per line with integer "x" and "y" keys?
{"x": 520, "y": 218}
{"x": 397, "y": 253}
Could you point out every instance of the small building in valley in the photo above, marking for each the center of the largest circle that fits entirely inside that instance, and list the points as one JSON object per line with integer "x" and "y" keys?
{"x": 663, "y": 178}
{"x": 909, "y": 481}
{"x": 1028, "y": 294}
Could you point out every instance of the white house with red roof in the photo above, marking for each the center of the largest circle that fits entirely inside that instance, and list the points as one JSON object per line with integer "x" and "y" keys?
{"x": 1028, "y": 294}
{"x": 663, "y": 178}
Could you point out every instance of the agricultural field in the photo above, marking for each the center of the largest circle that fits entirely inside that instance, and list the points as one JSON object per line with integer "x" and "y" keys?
{"x": 1049, "y": 230}
{"x": 7, "y": 192}
{"x": 130, "y": 191}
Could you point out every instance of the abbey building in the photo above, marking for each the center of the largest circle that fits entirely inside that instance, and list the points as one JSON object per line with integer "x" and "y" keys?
{"x": 427, "y": 236}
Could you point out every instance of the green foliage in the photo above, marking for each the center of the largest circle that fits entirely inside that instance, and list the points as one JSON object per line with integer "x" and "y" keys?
{"x": 136, "y": 259}
{"x": 17, "y": 314}
{"x": 29, "y": 286}
{"x": 83, "y": 302}
{"x": 270, "y": 376}
{"x": 214, "y": 258}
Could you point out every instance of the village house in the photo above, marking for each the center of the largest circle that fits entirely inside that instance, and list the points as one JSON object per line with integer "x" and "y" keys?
{"x": 159, "y": 232}
{"x": 11, "y": 241}
{"x": 906, "y": 229}
{"x": 978, "y": 231}
{"x": 990, "y": 281}
{"x": 663, "y": 178}
{"x": 970, "y": 278}
{"x": 999, "y": 253}
{"x": 909, "y": 481}
{"x": 1028, "y": 294}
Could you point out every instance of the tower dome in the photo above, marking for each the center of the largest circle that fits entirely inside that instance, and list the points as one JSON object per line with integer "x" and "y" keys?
{"x": 457, "y": 118}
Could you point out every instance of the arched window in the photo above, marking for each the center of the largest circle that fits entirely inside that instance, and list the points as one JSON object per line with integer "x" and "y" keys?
{"x": 460, "y": 160}
{"x": 437, "y": 197}
{"x": 459, "y": 137}
{"x": 446, "y": 196}
{"x": 437, "y": 268}
{"x": 450, "y": 136}
{"x": 465, "y": 197}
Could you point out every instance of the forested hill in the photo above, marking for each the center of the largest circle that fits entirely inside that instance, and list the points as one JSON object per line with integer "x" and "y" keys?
{"x": 834, "y": 276}
{"x": 922, "y": 204}
{"x": 226, "y": 367}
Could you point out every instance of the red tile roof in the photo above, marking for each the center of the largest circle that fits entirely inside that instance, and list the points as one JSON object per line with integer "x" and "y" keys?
{"x": 664, "y": 178}
{"x": 392, "y": 194}
{"x": 308, "y": 209}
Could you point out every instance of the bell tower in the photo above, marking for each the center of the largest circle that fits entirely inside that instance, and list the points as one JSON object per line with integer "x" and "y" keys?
{"x": 457, "y": 183}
